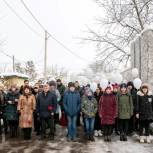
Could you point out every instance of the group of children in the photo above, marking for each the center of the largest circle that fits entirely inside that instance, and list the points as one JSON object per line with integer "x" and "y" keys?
{"x": 120, "y": 107}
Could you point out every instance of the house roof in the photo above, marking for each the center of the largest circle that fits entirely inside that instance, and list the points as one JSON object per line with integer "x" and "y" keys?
{"x": 11, "y": 74}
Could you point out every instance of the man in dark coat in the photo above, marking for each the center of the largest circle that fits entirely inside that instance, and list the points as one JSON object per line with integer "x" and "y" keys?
{"x": 46, "y": 108}
{"x": 72, "y": 107}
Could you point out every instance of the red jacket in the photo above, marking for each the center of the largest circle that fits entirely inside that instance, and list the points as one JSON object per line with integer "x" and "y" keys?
{"x": 108, "y": 109}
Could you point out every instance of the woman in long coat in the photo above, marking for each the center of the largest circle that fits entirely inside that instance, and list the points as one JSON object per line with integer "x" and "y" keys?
{"x": 26, "y": 108}
{"x": 108, "y": 112}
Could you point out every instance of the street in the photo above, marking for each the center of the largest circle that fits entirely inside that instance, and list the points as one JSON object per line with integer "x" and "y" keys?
{"x": 60, "y": 145}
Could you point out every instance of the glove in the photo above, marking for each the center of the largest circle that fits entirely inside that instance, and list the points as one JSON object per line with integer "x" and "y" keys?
{"x": 19, "y": 112}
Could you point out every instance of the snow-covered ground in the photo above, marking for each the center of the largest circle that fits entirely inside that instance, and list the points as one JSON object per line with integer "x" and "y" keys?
{"x": 60, "y": 145}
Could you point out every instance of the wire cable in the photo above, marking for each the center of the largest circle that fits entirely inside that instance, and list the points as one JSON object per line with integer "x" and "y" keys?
{"x": 53, "y": 37}
{"x": 21, "y": 19}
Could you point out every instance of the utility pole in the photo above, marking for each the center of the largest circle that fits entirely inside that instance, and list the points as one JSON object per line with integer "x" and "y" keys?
{"x": 13, "y": 64}
{"x": 45, "y": 57}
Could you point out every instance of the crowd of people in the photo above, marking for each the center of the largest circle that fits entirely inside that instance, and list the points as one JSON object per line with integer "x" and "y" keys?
{"x": 118, "y": 108}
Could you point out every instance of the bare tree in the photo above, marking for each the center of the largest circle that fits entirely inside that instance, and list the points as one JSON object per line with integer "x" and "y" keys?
{"x": 123, "y": 20}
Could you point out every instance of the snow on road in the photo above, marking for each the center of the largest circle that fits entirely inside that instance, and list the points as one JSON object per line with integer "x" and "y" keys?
{"x": 60, "y": 145}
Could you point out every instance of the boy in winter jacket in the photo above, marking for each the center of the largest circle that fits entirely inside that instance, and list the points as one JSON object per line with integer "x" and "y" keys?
{"x": 72, "y": 108}
{"x": 125, "y": 111}
{"x": 144, "y": 111}
{"x": 108, "y": 112}
{"x": 89, "y": 108}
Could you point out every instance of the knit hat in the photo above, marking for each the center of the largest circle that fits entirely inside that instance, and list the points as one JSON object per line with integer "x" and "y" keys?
{"x": 71, "y": 84}
{"x": 115, "y": 86}
{"x": 123, "y": 85}
{"x": 130, "y": 83}
{"x": 52, "y": 83}
{"x": 58, "y": 80}
{"x": 109, "y": 87}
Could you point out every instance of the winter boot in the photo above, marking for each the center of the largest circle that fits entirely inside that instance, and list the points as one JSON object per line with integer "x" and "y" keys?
{"x": 121, "y": 137}
{"x": 92, "y": 138}
{"x": 99, "y": 133}
{"x": 142, "y": 139}
{"x": 96, "y": 133}
{"x": 124, "y": 137}
{"x": 105, "y": 138}
{"x": 148, "y": 139}
{"x": 109, "y": 138}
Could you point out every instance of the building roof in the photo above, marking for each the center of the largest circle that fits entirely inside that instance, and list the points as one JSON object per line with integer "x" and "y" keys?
{"x": 11, "y": 74}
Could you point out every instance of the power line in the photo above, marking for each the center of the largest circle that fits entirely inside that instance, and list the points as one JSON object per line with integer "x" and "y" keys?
{"x": 33, "y": 15}
{"x": 21, "y": 19}
{"x": 67, "y": 49}
{"x": 53, "y": 37}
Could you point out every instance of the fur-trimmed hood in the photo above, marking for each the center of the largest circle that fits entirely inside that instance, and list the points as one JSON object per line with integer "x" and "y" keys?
{"x": 140, "y": 93}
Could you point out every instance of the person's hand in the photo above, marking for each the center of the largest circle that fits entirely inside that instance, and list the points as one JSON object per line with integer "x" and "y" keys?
{"x": 10, "y": 102}
{"x": 52, "y": 114}
{"x": 16, "y": 100}
{"x": 137, "y": 116}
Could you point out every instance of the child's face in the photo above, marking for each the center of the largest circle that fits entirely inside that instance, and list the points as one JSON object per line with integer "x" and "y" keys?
{"x": 123, "y": 90}
{"x": 115, "y": 89}
{"x": 145, "y": 90}
{"x": 72, "y": 89}
{"x": 130, "y": 87}
{"x": 108, "y": 91}
{"x": 98, "y": 90}
{"x": 89, "y": 94}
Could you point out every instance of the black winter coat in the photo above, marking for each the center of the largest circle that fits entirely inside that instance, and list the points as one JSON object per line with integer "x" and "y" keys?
{"x": 145, "y": 106}
{"x": 46, "y": 104}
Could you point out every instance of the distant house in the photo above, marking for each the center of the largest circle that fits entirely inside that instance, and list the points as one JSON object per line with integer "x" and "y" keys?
{"x": 12, "y": 78}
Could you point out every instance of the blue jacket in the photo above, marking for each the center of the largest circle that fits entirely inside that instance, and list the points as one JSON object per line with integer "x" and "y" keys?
{"x": 44, "y": 102}
{"x": 72, "y": 103}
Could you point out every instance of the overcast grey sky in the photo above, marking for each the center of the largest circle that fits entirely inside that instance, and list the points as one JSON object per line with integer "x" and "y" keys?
{"x": 65, "y": 19}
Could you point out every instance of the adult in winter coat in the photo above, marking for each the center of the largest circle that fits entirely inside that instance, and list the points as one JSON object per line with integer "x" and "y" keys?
{"x": 97, "y": 126}
{"x": 133, "y": 123}
{"x": 54, "y": 90}
{"x": 108, "y": 112}
{"x": 2, "y": 108}
{"x": 145, "y": 111}
{"x": 61, "y": 88}
{"x": 46, "y": 108}
{"x": 26, "y": 108}
{"x": 72, "y": 107}
{"x": 89, "y": 107}
{"x": 125, "y": 111}
{"x": 11, "y": 114}
{"x": 36, "y": 118}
